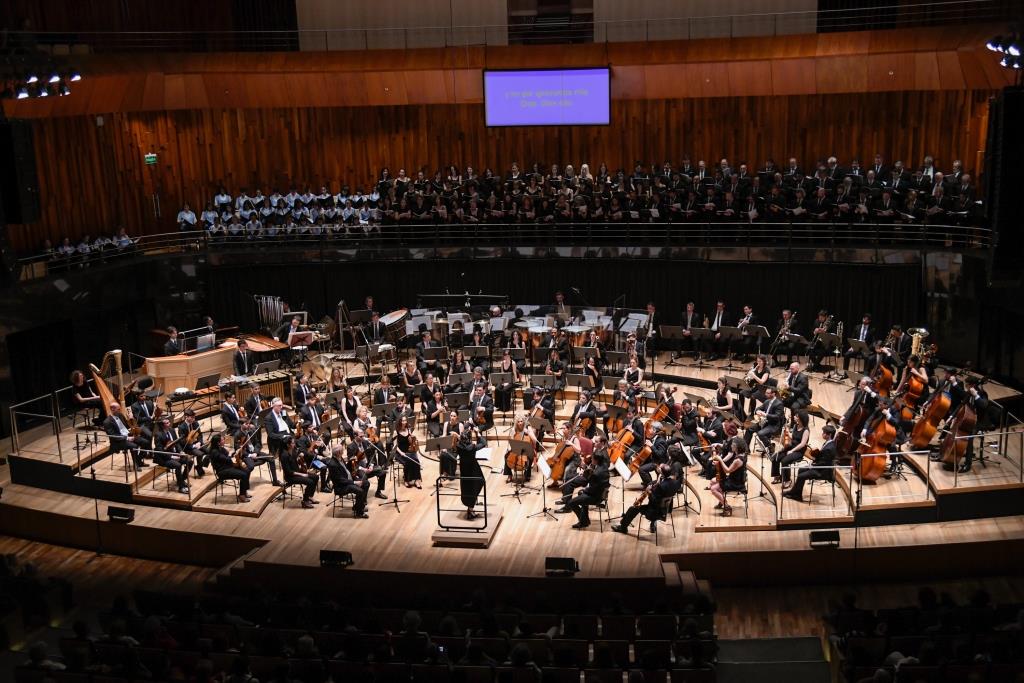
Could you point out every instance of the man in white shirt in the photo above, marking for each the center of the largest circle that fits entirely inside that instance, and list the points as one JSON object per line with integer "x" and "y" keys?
{"x": 121, "y": 439}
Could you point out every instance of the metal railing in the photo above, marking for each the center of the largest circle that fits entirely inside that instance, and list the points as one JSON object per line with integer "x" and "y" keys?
{"x": 536, "y": 240}
{"x": 531, "y": 28}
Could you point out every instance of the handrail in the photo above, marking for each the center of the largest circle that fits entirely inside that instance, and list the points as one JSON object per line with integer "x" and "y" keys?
{"x": 512, "y": 31}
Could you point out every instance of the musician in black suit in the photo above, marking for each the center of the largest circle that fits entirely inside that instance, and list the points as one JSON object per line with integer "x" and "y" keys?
{"x": 424, "y": 365}
{"x": 289, "y": 456}
{"x": 788, "y": 321}
{"x": 901, "y": 345}
{"x": 401, "y": 409}
{"x": 481, "y": 409}
{"x": 748, "y": 344}
{"x": 288, "y": 328}
{"x": 666, "y": 488}
{"x": 799, "y": 389}
{"x": 688, "y": 423}
{"x": 168, "y": 455}
{"x": 375, "y": 329}
{"x": 546, "y": 400}
{"x": 689, "y": 320}
{"x": 244, "y": 360}
{"x": 144, "y": 410}
{"x": 196, "y": 449}
{"x": 586, "y": 408}
{"x": 863, "y": 332}
{"x": 593, "y": 492}
{"x": 303, "y": 391}
{"x": 226, "y": 468}
{"x": 116, "y": 427}
{"x": 385, "y": 393}
{"x": 252, "y": 404}
{"x": 229, "y": 413}
{"x": 312, "y": 416}
{"x": 817, "y": 350}
{"x": 716, "y": 320}
{"x": 773, "y": 413}
{"x": 278, "y": 426}
{"x": 977, "y": 399}
{"x": 821, "y": 467}
{"x": 173, "y": 346}
{"x": 863, "y": 396}
{"x": 345, "y": 483}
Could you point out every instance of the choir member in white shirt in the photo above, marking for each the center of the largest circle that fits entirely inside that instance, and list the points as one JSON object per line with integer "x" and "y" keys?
{"x": 186, "y": 218}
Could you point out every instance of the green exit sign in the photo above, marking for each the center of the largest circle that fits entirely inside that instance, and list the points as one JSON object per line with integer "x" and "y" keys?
{"x": 150, "y": 159}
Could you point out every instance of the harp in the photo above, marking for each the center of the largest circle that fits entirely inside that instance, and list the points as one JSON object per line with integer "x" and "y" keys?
{"x": 109, "y": 373}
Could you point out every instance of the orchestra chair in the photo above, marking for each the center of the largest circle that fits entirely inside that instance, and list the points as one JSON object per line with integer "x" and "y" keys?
{"x": 340, "y": 500}
{"x": 287, "y": 493}
{"x": 84, "y": 413}
{"x": 602, "y": 509}
{"x": 126, "y": 453}
{"x": 221, "y": 483}
{"x": 170, "y": 483}
{"x": 667, "y": 508}
{"x": 743, "y": 492}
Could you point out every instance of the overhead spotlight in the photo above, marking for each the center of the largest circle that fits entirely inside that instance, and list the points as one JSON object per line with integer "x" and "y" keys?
{"x": 995, "y": 44}
{"x": 75, "y": 76}
{"x": 32, "y": 78}
{"x": 43, "y": 92}
{"x": 1014, "y": 49}
{"x": 54, "y": 77}
{"x": 1005, "y": 61}
{"x": 64, "y": 89}
{"x": 1016, "y": 63}
{"x": 22, "y": 93}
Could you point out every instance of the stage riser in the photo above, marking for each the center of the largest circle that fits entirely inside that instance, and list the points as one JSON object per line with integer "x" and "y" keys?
{"x": 980, "y": 504}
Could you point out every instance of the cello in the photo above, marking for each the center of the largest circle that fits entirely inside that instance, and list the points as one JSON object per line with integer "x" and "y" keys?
{"x": 558, "y": 461}
{"x": 954, "y": 443}
{"x": 622, "y": 445}
{"x": 927, "y": 425}
{"x": 874, "y": 451}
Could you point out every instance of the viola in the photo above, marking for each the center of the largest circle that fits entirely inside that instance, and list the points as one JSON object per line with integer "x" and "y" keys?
{"x": 371, "y": 435}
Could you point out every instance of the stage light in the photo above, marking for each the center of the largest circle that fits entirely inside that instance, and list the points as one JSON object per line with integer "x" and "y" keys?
{"x": 55, "y": 77}
{"x": 43, "y": 92}
{"x": 1014, "y": 50}
{"x": 64, "y": 89}
{"x": 75, "y": 76}
{"x": 1016, "y": 63}
{"x": 1005, "y": 61}
{"x": 995, "y": 44}
{"x": 22, "y": 93}
{"x": 32, "y": 78}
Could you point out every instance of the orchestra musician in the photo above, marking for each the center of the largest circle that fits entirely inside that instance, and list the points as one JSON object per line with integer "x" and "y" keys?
{"x": 401, "y": 409}
{"x": 522, "y": 432}
{"x": 880, "y": 355}
{"x": 542, "y": 404}
{"x": 586, "y": 408}
{"x": 348, "y": 409}
{"x": 901, "y": 345}
{"x": 278, "y": 426}
{"x": 253, "y": 404}
{"x": 374, "y": 330}
{"x": 243, "y": 359}
{"x": 659, "y": 453}
{"x": 449, "y": 457}
{"x": 650, "y": 328}
{"x": 555, "y": 368}
{"x": 592, "y": 370}
{"x": 365, "y": 452}
{"x": 249, "y": 434}
{"x": 385, "y": 393}
{"x": 597, "y": 481}
{"x": 711, "y": 427}
{"x": 458, "y": 365}
{"x": 817, "y": 349}
{"x": 785, "y": 346}
{"x": 303, "y": 390}
{"x": 568, "y": 438}
{"x": 229, "y": 413}
{"x": 799, "y": 388}
{"x": 748, "y": 344}
{"x": 168, "y": 455}
{"x": 799, "y": 438}
{"x": 734, "y": 474}
{"x": 435, "y": 410}
{"x": 757, "y": 379}
{"x": 716, "y": 321}
{"x": 83, "y": 396}
{"x": 226, "y": 468}
{"x": 914, "y": 368}
{"x": 560, "y": 308}
{"x": 293, "y": 474}
{"x": 144, "y": 410}
{"x": 516, "y": 341}
{"x": 411, "y": 378}
{"x": 977, "y": 399}
{"x": 173, "y": 346}
{"x": 188, "y": 426}
{"x": 409, "y": 457}
{"x": 863, "y": 395}
{"x": 312, "y": 416}
{"x": 688, "y": 422}
{"x": 481, "y": 359}
{"x": 292, "y": 326}
{"x": 863, "y": 332}
{"x": 345, "y": 483}
{"x": 424, "y": 364}
{"x": 503, "y": 393}
{"x": 636, "y": 347}
{"x": 472, "y": 481}
{"x": 768, "y": 420}
{"x": 652, "y": 506}
{"x": 481, "y": 409}
{"x": 633, "y": 375}
{"x": 431, "y": 385}
{"x": 336, "y": 382}
{"x": 821, "y": 466}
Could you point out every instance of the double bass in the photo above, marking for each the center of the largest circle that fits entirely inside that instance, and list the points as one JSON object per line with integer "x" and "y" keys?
{"x": 846, "y": 438}
{"x": 907, "y": 402}
{"x": 882, "y": 377}
{"x": 874, "y": 452}
{"x": 927, "y": 425}
{"x": 954, "y": 443}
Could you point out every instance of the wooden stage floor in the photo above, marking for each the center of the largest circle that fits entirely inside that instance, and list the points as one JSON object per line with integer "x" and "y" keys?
{"x": 400, "y": 539}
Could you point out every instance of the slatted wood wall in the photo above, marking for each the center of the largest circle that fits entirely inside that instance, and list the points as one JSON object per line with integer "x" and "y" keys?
{"x": 93, "y": 176}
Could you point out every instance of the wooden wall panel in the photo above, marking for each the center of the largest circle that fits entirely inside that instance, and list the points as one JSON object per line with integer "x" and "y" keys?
{"x": 92, "y": 176}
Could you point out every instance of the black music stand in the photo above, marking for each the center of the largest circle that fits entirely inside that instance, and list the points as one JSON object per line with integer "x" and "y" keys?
{"x": 515, "y": 354}
{"x": 476, "y": 352}
{"x": 674, "y": 333}
{"x": 832, "y": 343}
{"x": 616, "y": 358}
{"x": 545, "y": 471}
{"x": 541, "y": 423}
{"x": 539, "y": 355}
{"x": 760, "y": 330}
{"x": 458, "y": 399}
{"x": 391, "y": 463}
{"x": 579, "y": 381}
{"x": 381, "y": 412}
{"x": 699, "y": 336}
{"x": 437, "y": 353}
{"x": 861, "y": 348}
{"x": 730, "y": 334}
{"x": 460, "y": 378}
{"x": 520, "y": 448}
{"x": 440, "y": 443}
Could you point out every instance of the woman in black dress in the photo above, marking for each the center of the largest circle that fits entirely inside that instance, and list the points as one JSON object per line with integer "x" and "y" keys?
{"x": 472, "y": 481}
{"x": 412, "y": 473}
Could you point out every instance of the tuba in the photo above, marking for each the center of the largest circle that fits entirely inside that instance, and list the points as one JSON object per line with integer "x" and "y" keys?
{"x": 110, "y": 369}
{"x": 917, "y": 337}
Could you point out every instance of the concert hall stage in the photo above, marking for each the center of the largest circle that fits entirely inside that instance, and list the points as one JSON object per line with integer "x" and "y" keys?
{"x": 920, "y": 526}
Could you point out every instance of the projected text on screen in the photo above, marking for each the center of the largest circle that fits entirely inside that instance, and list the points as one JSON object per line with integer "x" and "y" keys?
{"x": 547, "y": 97}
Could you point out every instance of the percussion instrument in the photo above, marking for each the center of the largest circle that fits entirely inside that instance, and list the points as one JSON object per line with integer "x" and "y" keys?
{"x": 385, "y": 348}
{"x": 577, "y": 334}
{"x": 395, "y": 318}
{"x": 537, "y": 335}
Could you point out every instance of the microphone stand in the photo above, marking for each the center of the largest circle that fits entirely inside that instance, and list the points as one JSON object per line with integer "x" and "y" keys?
{"x": 96, "y": 503}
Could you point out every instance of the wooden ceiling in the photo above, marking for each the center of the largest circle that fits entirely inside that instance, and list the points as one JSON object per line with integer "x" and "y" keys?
{"x": 941, "y": 58}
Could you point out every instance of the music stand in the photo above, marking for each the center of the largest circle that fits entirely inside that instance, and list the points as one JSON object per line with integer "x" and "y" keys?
{"x": 699, "y": 336}
{"x": 549, "y": 382}
{"x": 674, "y": 333}
{"x": 545, "y": 471}
{"x": 579, "y": 381}
{"x": 539, "y": 355}
{"x": 799, "y": 343}
{"x": 831, "y": 343}
{"x": 381, "y": 412}
{"x": 861, "y": 348}
{"x": 735, "y": 384}
{"x": 462, "y": 378}
{"x": 207, "y": 381}
{"x": 541, "y": 423}
{"x": 476, "y": 351}
{"x": 519, "y": 449}
{"x": 440, "y": 443}
{"x": 610, "y": 382}
{"x": 730, "y": 334}
{"x": 616, "y": 358}
{"x": 458, "y": 399}
{"x": 515, "y": 354}
{"x": 435, "y": 353}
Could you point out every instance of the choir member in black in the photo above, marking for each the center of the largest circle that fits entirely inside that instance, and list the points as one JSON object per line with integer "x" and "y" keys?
{"x": 144, "y": 410}
{"x": 385, "y": 393}
{"x": 799, "y": 388}
{"x": 799, "y": 438}
{"x": 168, "y": 455}
{"x": 174, "y": 345}
{"x": 821, "y": 467}
{"x": 634, "y": 375}
{"x": 435, "y": 411}
{"x": 425, "y": 365}
{"x": 249, "y": 440}
{"x": 243, "y": 360}
{"x": 785, "y": 346}
{"x": 472, "y": 481}
{"x": 229, "y": 414}
{"x": 303, "y": 390}
{"x": 734, "y": 474}
{"x": 194, "y": 448}
{"x": 278, "y": 426}
{"x": 769, "y": 419}
{"x": 863, "y": 332}
{"x": 82, "y": 395}
{"x": 411, "y": 471}
{"x": 816, "y": 351}
{"x": 368, "y": 455}
{"x": 348, "y": 409}
{"x": 664, "y": 489}
{"x": 503, "y": 392}
{"x": 295, "y": 471}
{"x": 481, "y": 409}
{"x": 344, "y": 482}
{"x": 449, "y": 458}
{"x": 555, "y": 368}
{"x": 226, "y": 468}
{"x": 977, "y": 399}
{"x": 596, "y": 477}
{"x": 411, "y": 378}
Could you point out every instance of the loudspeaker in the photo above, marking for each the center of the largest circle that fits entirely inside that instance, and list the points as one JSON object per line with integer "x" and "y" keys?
{"x": 829, "y": 538}
{"x": 335, "y": 558}
{"x": 19, "y": 185}
{"x": 117, "y": 514}
{"x": 561, "y": 566}
{"x": 1003, "y": 204}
